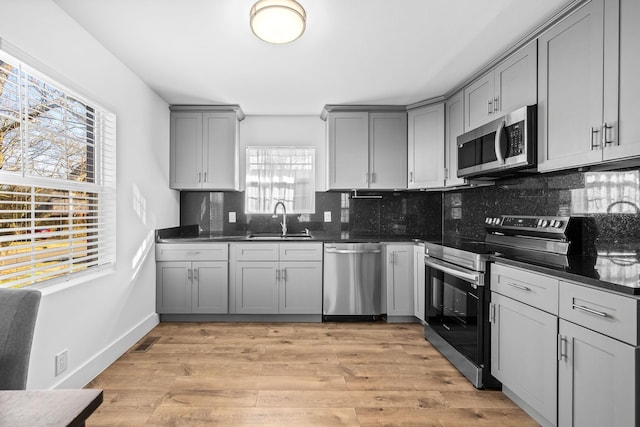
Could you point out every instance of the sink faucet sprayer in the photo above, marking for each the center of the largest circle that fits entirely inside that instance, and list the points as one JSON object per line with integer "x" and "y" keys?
{"x": 284, "y": 216}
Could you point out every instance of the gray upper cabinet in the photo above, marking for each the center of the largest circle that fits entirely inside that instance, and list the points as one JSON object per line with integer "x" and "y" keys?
{"x": 204, "y": 149}
{"x": 622, "y": 95}
{"x": 366, "y": 150}
{"x": 570, "y": 90}
{"x": 426, "y": 147}
{"x": 454, "y": 127}
{"x": 588, "y": 90}
{"x": 348, "y": 150}
{"x": 510, "y": 85}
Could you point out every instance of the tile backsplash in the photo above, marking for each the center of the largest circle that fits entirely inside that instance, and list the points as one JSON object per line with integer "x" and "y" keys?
{"x": 610, "y": 199}
{"x": 407, "y": 214}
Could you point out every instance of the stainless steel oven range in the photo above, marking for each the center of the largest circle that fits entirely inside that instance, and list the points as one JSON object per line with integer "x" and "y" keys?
{"x": 457, "y": 307}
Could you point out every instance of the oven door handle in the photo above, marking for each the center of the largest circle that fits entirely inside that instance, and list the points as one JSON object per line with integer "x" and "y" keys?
{"x": 471, "y": 277}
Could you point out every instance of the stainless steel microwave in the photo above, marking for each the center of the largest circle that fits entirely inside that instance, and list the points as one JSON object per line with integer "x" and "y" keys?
{"x": 500, "y": 147}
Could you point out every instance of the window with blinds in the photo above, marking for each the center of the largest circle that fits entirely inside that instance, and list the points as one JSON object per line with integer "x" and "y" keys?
{"x": 57, "y": 179}
{"x": 285, "y": 174}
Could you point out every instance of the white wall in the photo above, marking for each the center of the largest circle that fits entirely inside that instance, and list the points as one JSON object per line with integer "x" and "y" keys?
{"x": 97, "y": 321}
{"x": 307, "y": 131}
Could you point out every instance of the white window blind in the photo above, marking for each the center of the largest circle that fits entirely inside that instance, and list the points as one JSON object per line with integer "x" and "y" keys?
{"x": 57, "y": 179}
{"x": 285, "y": 174}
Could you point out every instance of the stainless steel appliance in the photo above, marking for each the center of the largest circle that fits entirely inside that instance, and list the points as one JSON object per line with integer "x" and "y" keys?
{"x": 502, "y": 146}
{"x": 545, "y": 240}
{"x": 456, "y": 307}
{"x": 352, "y": 281}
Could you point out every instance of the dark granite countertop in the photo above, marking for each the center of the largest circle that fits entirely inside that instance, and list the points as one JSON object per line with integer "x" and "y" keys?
{"x": 618, "y": 272}
{"x": 191, "y": 234}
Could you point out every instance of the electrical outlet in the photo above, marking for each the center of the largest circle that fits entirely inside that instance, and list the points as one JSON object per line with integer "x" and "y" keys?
{"x": 61, "y": 361}
{"x": 327, "y": 216}
{"x": 232, "y": 217}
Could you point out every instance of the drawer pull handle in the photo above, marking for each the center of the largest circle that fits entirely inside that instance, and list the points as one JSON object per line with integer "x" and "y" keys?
{"x": 523, "y": 288}
{"x": 589, "y": 310}
{"x": 193, "y": 252}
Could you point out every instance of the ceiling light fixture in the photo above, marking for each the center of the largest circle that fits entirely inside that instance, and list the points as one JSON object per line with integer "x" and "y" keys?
{"x": 277, "y": 21}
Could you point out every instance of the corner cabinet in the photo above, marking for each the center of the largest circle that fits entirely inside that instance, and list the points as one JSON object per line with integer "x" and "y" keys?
{"x": 589, "y": 94}
{"x": 508, "y": 86}
{"x": 366, "y": 149}
{"x": 426, "y": 147}
{"x": 191, "y": 278}
{"x": 276, "y": 278}
{"x": 454, "y": 127}
{"x": 204, "y": 147}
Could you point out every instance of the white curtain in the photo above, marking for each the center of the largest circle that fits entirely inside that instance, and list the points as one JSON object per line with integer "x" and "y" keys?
{"x": 285, "y": 174}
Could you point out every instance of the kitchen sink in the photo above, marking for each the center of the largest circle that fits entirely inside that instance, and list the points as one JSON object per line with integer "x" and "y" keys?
{"x": 276, "y": 236}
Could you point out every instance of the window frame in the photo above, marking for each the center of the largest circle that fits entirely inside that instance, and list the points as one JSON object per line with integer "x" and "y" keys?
{"x": 90, "y": 206}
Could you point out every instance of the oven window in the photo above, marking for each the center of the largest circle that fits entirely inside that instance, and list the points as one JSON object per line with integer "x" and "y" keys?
{"x": 452, "y": 311}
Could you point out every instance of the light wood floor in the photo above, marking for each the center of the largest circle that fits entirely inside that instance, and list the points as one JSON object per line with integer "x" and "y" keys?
{"x": 294, "y": 374}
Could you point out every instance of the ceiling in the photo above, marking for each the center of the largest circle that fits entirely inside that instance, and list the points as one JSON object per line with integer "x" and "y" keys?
{"x": 352, "y": 52}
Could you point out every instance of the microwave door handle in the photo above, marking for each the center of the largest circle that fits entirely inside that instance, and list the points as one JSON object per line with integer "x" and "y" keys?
{"x": 499, "y": 155}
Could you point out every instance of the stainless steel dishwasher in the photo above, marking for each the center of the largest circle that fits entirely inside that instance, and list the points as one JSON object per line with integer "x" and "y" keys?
{"x": 352, "y": 282}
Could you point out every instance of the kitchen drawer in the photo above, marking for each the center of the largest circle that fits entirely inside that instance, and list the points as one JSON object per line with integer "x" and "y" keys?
{"x": 605, "y": 312}
{"x": 192, "y": 252}
{"x": 300, "y": 251}
{"x": 255, "y": 251}
{"x": 536, "y": 290}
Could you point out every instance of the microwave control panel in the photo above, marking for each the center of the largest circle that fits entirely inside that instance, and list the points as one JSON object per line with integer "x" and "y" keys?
{"x": 515, "y": 138}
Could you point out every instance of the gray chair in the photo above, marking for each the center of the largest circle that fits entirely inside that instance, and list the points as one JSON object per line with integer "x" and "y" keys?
{"x": 18, "y": 312}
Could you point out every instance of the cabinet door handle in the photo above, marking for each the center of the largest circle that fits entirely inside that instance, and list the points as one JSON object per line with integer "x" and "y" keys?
{"x": 277, "y": 274}
{"x": 391, "y": 258}
{"x": 199, "y": 176}
{"x": 284, "y": 275}
{"x": 205, "y": 177}
{"x": 490, "y": 107}
{"x": 366, "y": 177}
{"x": 589, "y": 310}
{"x": 195, "y": 274}
{"x": 373, "y": 177}
{"x": 496, "y": 108}
{"x": 492, "y": 313}
{"x": 562, "y": 347}
{"x": 594, "y": 132}
{"x": 189, "y": 273}
{"x": 521, "y": 287}
{"x": 605, "y": 128}
{"x": 410, "y": 176}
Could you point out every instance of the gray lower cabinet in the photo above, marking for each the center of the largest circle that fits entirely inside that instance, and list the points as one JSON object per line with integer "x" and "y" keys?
{"x": 192, "y": 278}
{"x": 523, "y": 354}
{"x": 418, "y": 282}
{"x": 192, "y": 287}
{"x": 276, "y": 278}
{"x": 256, "y": 287}
{"x": 567, "y": 353}
{"x": 598, "y": 379}
{"x": 398, "y": 276}
{"x": 598, "y": 358}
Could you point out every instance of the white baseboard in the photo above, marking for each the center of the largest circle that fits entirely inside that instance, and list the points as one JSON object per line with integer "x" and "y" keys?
{"x": 94, "y": 366}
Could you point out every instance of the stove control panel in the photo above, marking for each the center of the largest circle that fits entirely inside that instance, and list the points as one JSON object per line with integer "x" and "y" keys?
{"x": 551, "y": 224}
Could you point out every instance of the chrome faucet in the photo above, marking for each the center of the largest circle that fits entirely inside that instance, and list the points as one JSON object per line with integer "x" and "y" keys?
{"x": 284, "y": 216}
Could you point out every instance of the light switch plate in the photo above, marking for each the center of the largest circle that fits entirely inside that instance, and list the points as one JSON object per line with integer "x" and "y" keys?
{"x": 232, "y": 217}
{"x": 327, "y": 216}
